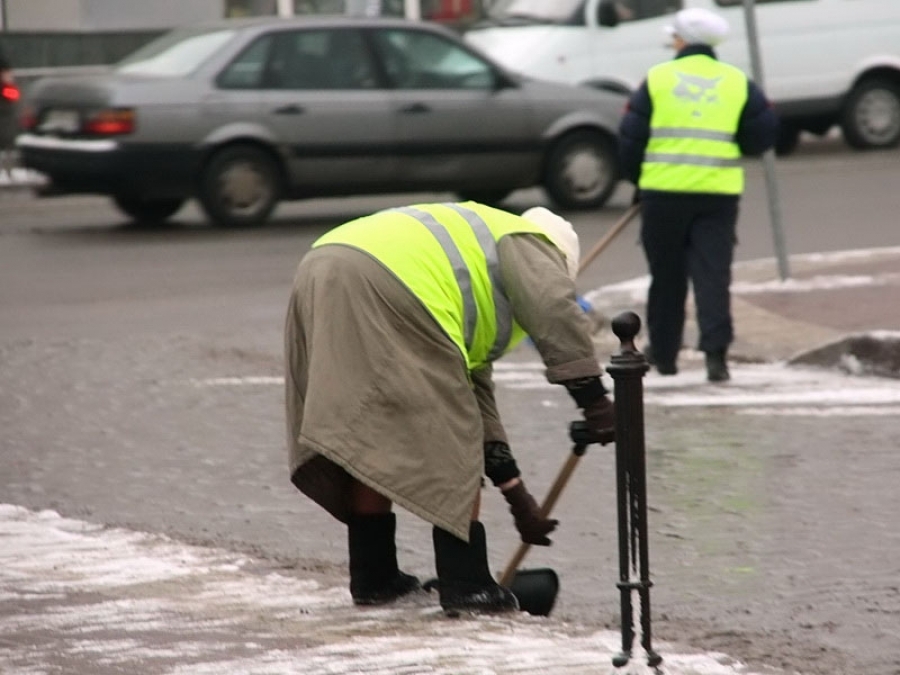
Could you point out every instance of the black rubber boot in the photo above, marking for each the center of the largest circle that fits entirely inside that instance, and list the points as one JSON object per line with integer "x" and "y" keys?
{"x": 717, "y": 366}
{"x": 374, "y": 576}
{"x": 464, "y": 582}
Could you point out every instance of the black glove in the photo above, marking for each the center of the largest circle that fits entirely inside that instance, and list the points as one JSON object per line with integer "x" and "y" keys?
{"x": 599, "y": 412}
{"x": 532, "y": 526}
{"x": 601, "y": 418}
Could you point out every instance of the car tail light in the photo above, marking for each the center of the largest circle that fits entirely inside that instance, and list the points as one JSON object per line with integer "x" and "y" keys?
{"x": 10, "y": 92}
{"x": 110, "y": 122}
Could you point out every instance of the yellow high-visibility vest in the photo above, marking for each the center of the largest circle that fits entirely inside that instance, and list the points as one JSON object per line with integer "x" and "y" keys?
{"x": 446, "y": 255}
{"x": 697, "y": 103}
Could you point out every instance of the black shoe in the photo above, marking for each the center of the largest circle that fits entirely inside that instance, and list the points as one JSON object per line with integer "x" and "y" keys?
{"x": 401, "y": 584}
{"x": 717, "y": 367}
{"x": 663, "y": 368}
{"x": 492, "y": 598}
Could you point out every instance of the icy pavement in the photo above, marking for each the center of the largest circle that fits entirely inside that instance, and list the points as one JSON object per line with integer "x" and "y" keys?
{"x": 771, "y": 389}
{"x": 90, "y": 600}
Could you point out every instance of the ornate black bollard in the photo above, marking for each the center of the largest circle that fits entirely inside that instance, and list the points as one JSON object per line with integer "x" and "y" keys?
{"x": 627, "y": 369}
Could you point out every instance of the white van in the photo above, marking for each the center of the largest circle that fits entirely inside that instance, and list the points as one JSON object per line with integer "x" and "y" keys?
{"x": 824, "y": 62}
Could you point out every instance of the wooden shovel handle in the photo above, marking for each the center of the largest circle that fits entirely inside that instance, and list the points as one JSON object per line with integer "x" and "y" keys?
{"x": 549, "y": 502}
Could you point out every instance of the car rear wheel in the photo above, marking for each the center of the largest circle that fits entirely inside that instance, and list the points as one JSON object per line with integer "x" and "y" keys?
{"x": 146, "y": 209}
{"x": 871, "y": 114}
{"x": 240, "y": 186}
{"x": 581, "y": 170}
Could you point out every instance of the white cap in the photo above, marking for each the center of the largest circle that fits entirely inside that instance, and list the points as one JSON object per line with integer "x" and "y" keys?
{"x": 560, "y": 232}
{"x": 696, "y": 25}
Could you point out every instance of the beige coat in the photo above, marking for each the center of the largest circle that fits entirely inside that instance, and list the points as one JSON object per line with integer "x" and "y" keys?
{"x": 376, "y": 390}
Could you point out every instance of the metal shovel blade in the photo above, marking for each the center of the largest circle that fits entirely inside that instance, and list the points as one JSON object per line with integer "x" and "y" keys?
{"x": 536, "y": 590}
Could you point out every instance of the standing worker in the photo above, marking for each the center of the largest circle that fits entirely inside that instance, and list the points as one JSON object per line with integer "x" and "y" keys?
{"x": 393, "y": 323}
{"x": 682, "y": 137}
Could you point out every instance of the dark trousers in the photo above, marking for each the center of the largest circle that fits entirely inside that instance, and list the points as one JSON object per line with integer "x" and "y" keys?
{"x": 688, "y": 238}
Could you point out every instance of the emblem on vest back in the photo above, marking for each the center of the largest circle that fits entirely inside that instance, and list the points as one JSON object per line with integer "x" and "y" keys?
{"x": 696, "y": 89}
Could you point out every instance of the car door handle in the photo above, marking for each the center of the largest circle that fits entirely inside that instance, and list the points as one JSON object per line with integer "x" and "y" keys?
{"x": 289, "y": 109}
{"x": 415, "y": 108}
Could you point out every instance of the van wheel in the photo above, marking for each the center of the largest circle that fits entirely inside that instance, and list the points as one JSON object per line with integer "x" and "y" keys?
{"x": 870, "y": 117}
{"x": 240, "y": 186}
{"x": 581, "y": 170}
{"x": 147, "y": 210}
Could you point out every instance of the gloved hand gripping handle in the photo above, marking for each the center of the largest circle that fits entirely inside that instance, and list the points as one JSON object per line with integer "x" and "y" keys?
{"x": 581, "y": 436}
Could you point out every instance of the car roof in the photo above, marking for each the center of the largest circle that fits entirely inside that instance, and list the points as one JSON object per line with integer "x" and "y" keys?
{"x": 321, "y": 21}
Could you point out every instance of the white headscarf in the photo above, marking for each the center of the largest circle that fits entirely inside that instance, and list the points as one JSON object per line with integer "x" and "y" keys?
{"x": 560, "y": 232}
{"x": 698, "y": 26}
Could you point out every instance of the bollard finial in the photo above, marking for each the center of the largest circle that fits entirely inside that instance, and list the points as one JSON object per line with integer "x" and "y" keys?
{"x": 626, "y": 326}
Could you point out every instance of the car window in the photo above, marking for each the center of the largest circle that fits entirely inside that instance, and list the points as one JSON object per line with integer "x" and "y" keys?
{"x": 248, "y": 69}
{"x": 177, "y": 53}
{"x": 319, "y": 59}
{"x": 419, "y": 60}
{"x": 635, "y": 10}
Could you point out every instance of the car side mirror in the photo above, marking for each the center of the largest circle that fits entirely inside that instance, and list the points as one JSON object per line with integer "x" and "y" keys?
{"x": 503, "y": 81}
{"x": 607, "y": 14}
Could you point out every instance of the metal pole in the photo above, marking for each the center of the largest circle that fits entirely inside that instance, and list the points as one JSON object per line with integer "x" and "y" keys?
{"x": 627, "y": 369}
{"x": 769, "y": 155}
{"x": 285, "y": 8}
{"x": 412, "y": 9}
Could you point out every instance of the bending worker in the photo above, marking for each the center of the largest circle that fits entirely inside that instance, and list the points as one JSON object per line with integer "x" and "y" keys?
{"x": 682, "y": 137}
{"x": 393, "y": 323}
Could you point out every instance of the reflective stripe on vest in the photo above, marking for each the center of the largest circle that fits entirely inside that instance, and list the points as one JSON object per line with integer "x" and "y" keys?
{"x": 455, "y": 272}
{"x": 697, "y": 103}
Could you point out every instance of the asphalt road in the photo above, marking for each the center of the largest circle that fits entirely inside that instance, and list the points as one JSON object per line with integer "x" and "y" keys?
{"x": 139, "y": 371}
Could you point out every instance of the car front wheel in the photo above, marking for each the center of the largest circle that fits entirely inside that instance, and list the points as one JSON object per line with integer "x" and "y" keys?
{"x": 148, "y": 210}
{"x": 581, "y": 170}
{"x": 240, "y": 186}
{"x": 871, "y": 114}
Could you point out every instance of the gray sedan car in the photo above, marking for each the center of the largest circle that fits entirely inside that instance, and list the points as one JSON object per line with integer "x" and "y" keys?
{"x": 243, "y": 113}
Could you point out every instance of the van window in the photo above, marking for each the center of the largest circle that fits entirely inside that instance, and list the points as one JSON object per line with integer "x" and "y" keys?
{"x": 633, "y": 10}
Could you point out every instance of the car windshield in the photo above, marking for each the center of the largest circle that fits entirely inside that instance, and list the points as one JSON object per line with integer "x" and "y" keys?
{"x": 537, "y": 11}
{"x": 177, "y": 53}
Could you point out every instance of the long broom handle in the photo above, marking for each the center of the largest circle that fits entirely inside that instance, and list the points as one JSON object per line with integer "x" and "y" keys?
{"x": 599, "y": 247}
{"x": 549, "y": 501}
